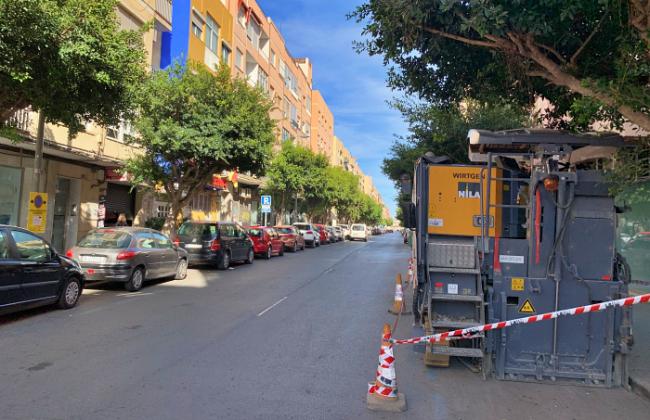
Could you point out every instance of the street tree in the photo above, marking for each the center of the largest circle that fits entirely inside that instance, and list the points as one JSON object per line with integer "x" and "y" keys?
{"x": 69, "y": 60}
{"x": 443, "y": 131}
{"x": 295, "y": 175}
{"x": 342, "y": 190}
{"x": 191, "y": 124}
{"x": 590, "y": 58}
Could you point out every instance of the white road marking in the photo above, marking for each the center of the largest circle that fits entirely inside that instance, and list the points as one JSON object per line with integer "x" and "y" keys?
{"x": 272, "y": 306}
{"x": 136, "y": 294}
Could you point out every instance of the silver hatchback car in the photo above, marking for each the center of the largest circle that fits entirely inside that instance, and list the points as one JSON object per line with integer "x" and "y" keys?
{"x": 129, "y": 255}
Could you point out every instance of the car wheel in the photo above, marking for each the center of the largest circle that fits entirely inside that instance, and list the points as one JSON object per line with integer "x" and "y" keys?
{"x": 268, "y": 254}
{"x": 224, "y": 264}
{"x": 282, "y": 251}
{"x": 181, "y": 270}
{"x": 295, "y": 247}
{"x": 251, "y": 256}
{"x": 303, "y": 247}
{"x": 135, "y": 282}
{"x": 70, "y": 293}
{"x": 365, "y": 239}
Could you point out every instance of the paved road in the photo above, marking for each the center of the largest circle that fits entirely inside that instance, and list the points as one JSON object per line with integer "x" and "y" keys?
{"x": 294, "y": 337}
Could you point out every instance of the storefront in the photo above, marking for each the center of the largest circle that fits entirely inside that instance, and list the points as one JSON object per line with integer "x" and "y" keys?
{"x": 10, "y": 187}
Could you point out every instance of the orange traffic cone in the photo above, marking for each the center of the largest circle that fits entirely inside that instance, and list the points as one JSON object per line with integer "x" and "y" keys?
{"x": 398, "y": 302}
{"x": 382, "y": 393}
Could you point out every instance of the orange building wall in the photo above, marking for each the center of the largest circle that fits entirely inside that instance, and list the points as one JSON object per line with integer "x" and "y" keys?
{"x": 322, "y": 123}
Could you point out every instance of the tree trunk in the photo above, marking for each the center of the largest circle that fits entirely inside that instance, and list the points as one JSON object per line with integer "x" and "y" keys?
{"x": 175, "y": 218}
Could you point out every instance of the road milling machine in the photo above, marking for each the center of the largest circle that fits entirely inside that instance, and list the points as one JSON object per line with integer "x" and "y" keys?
{"x": 528, "y": 228}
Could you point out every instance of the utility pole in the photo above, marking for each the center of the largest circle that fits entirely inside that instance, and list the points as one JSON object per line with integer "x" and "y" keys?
{"x": 38, "y": 152}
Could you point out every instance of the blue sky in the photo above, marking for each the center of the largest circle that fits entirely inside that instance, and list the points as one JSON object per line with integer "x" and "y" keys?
{"x": 353, "y": 85}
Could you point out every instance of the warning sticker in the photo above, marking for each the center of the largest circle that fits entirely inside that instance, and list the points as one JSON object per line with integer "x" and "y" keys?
{"x": 527, "y": 308}
{"x": 452, "y": 289}
{"x": 517, "y": 284}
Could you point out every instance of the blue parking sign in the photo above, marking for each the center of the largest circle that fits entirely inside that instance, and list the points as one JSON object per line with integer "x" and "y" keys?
{"x": 266, "y": 200}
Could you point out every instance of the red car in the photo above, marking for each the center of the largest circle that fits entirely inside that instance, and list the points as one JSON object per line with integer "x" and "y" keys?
{"x": 266, "y": 241}
{"x": 293, "y": 240}
{"x": 324, "y": 234}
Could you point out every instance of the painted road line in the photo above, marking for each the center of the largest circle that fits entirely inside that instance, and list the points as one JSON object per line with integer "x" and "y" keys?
{"x": 272, "y": 306}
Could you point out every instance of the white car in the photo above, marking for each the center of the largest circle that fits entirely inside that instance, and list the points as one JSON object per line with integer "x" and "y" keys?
{"x": 346, "y": 231}
{"x": 359, "y": 232}
{"x": 309, "y": 233}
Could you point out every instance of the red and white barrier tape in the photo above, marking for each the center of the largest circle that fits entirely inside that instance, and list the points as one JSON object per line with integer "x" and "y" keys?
{"x": 472, "y": 331}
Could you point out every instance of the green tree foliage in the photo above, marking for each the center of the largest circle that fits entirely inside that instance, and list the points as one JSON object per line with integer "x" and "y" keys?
{"x": 193, "y": 124}
{"x": 443, "y": 131}
{"x": 69, "y": 59}
{"x": 590, "y": 58}
{"x": 295, "y": 172}
{"x": 320, "y": 188}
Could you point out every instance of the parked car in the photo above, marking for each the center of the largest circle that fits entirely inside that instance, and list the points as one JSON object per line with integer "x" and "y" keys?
{"x": 309, "y": 233}
{"x": 346, "y": 231}
{"x": 358, "y": 232}
{"x": 331, "y": 232}
{"x": 324, "y": 234}
{"x": 293, "y": 240}
{"x": 637, "y": 254}
{"x": 218, "y": 243}
{"x": 129, "y": 255}
{"x": 338, "y": 231}
{"x": 266, "y": 241}
{"x": 33, "y": 274}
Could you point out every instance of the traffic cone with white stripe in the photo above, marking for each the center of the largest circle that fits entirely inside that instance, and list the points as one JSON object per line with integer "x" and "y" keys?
{"x": 382, "y": 393}
{"x": 410, "y": 272}
{"x": 398, "y": 302}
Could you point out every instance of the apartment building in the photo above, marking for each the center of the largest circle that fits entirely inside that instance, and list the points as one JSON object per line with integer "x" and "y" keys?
{"x": 84, "y": 188}
{"x": 322, "y": 122}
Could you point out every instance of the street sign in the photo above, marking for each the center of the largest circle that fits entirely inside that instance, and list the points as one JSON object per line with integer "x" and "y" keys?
{"x": 266, "y": 204}
{"x": 37, "y": 212}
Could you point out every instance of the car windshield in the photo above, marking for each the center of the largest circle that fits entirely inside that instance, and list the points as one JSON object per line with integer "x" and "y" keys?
{"x": 358, "y": 227}
{"x": 284, "y": 230}
{"x": 111, "y": 239}
{"x": 197, "y": 230}
{"x": 302, "y": 226}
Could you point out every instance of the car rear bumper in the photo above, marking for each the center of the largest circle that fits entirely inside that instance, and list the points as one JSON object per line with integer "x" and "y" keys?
{"x": 120, "y": 273}
{"x": 204, "y": 258}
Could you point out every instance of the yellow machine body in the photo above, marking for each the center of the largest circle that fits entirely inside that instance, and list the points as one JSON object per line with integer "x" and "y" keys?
{"x": 455, "y": 201}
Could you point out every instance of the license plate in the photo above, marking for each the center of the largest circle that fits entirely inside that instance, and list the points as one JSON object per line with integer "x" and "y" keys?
{"x": 93, "y": 259}
{"x": 193, "y": 246}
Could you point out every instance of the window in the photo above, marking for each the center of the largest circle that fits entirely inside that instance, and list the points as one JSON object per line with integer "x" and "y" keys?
{"x": 162, "y": 241}
{"x": 285, "y": 107}
{"x": 144, "y": 241}
{"x": 30, "y": 247}
{"x": 10, "y": 181}
{"x": 4, "y": 247}
{"x": 120, "y": 132}
{"x": 263, "y": 80}
{"x": 201, "y": 202}
{"x": 286, "y": 136}
{"x": 308, "y": 104}
{"x": 254, "y": 32}
{"x": 273, "y": 58}
{"x": 241, "y": 16}
{"x": 294, "y": 115}
{"x": 106, "y": 238}
{"x": 197, "y": 30}
{"x": 227, "y": 231}
{"x": 225, "y": 53}
{"x": 211, "y": 34}
{"x": 239, "y": 59}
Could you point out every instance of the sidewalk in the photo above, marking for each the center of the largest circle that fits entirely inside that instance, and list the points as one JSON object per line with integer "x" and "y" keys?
{"x": 640, "y": 358}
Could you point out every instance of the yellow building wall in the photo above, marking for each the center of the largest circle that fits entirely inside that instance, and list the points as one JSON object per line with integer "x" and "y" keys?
{"x": 221, "y": 15}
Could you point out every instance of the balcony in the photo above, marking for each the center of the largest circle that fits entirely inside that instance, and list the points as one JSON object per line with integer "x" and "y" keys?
{"x": 164, "y": 9}
{"x": 21, "y": 120}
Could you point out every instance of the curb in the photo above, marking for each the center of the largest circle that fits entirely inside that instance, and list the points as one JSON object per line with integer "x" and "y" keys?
{"x": 640, "y": 387}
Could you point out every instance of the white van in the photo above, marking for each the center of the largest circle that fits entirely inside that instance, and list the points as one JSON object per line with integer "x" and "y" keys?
{"x": 359, "y": 231}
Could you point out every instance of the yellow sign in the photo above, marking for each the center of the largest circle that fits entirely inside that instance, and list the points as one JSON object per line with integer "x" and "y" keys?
{"x": 527, "y": 308}
{"x": 517, "y": 284}
{"x": 37, "y": 213}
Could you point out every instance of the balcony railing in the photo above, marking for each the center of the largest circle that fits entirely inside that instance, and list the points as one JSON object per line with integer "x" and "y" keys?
{"x": 21, "y": 120}
{"x": 164, "y": 9}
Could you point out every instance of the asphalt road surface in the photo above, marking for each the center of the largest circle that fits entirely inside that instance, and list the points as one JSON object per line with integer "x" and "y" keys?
{"x": 294, "y": 337}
